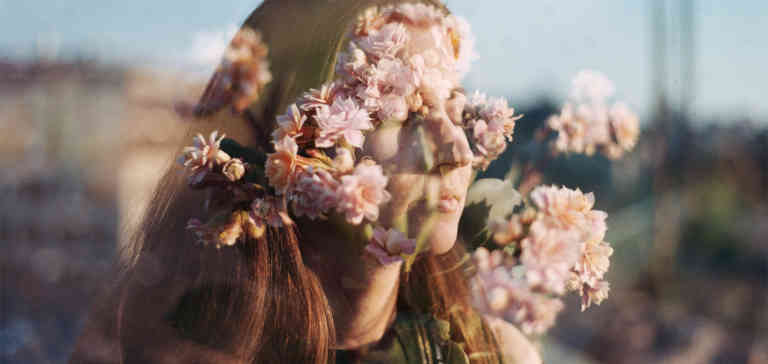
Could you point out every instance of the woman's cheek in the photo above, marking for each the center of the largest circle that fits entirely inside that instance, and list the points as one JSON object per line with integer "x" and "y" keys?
{"x": 382, "y": 144}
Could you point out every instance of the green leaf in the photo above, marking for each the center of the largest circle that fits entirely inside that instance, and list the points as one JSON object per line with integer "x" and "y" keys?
{"x": 421, "y": 240}
{"x": 499, "y": 195}
{"x": 248, "y": 155}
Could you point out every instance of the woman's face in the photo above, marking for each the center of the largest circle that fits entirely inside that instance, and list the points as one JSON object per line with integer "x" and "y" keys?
{"x": 429, "y": 164}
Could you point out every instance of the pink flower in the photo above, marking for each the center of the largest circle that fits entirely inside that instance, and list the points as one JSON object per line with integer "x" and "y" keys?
{"x": 570, "y": 208}
{"x": 289, "y": 124}
{"x": 281, "y": 165}
{"x": 499, "y": 290}
{"x": 319, "y": 98}
{"x": 535, "y": 313}
{"x": 393, "y": 76}
{"x": 344, "y": 119}
{"x": 594, "y": 294}
{"x": 586, "y": 124}
{"x": 492, "y": 122}
{"x": 420, "y": 15}
{"x": 593, "y": 264}
{"x": 393, "y": 108}
{"x": 388, "y": 246}
{"x": 549, "y": 253}
{"x": 203, "y": 156}
{"x": 625, "y": 125}
{"x": 243, "y": 74}
{"x": 385, "y": 42}
{"x": 352, "y": 64}
{"x": 270, "y": 210}
{"x": 362, "y": 192}
{"x": 314, "y": 193}
{"x": 489, "y": 138}
{"x": 485, "y": 260}
{"x": 463, "y": 42}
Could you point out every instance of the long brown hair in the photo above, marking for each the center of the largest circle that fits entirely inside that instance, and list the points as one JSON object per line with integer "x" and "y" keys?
{"x": 257, "y": 301}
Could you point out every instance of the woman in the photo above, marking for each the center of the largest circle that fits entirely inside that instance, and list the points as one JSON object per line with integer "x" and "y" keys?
{"x": 310, "y": 289}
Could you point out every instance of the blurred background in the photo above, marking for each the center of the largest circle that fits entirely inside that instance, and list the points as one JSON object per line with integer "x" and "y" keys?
{"x": 87, "y": 90}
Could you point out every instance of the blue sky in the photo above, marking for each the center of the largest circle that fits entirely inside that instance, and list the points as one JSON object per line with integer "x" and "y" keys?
{"x": 527, "y": 48}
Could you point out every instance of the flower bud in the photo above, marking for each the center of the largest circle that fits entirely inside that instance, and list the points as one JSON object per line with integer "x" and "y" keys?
{"x": 234, "y": 169}
{"x": 528, "y": 215}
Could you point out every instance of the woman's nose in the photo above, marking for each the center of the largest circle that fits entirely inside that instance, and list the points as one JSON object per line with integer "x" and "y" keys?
{"x": 452, "y": 147}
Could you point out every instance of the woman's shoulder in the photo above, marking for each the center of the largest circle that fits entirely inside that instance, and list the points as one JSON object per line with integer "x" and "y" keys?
{"x": 515, "y": 347}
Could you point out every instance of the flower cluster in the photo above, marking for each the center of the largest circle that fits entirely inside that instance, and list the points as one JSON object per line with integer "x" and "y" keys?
{"x": 400, "y": 60}
{"x": 491, "y": 123}
{"x": 587, "y": 124}
{"x": 205, "y": 156}
{"x": 554, "y": 245}
{"x": 241, "y": 77}
{"x": 211, "y": 166}
{"x": 404, "y": 64}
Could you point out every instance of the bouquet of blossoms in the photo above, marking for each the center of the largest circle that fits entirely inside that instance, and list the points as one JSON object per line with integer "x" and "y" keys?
{"x": 401, "y": 63}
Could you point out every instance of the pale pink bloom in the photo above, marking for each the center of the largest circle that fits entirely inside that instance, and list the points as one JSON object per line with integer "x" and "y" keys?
{"x": 594, "y": 294}
{"x": 370, "y": 20}
{"x": 281, "y": 165}
{"x": 385, "y": 42}
{"x": 352, "y": 64}
{"x": 493, "y": 276}
{"x": 418, "y": 14}
{"x": 486, "y": 260}
{"x": 597, "y": 133}
{"x": 270, "y": 210}
{"x": 498, "y": 290}
{"x": 591, "y": 86}
{"x": 487, "y": 278}
{"x": 322, "y": 97}
{"x": 586, "y": 124}
{"x": 534, "y": 313}
{"x": 476, "y": 100}
{"x": 625, "y": 125}
{"x": 593, "y": 263}
{"x": 549, "y": 253}
{"x": 289, "y": 124}
{"x": 569, "y": 207}
{"x": 570, "y": 131}
{"x": 595, "y": 226}
{"x": 389, "y": 246}
{"x": 362, "y": 192}
{"x": 393, "y": 108}
{"x": 314, "y": 193}
{"x": 344, "y": 119}
{"x": 369, "y": 95}
{"x": 393, "y": 76}
{"x": 496, "y": 110}
{"x": 245, "y": 45}
{"x": 203, "y": 156}
{"x": 492, "y": 122}
{"x": 463, "y": 42}
{"x": 435, "y": 88}
{"x": 243, "y": 74}
{"x": 488, "y": 140}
